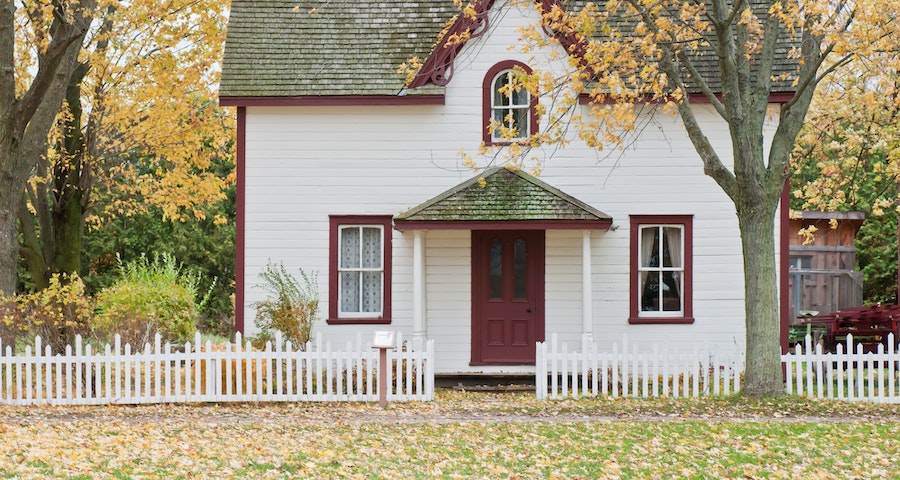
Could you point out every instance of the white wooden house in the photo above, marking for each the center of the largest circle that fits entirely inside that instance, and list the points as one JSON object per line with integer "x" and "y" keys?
{"x": 343, "y": 171}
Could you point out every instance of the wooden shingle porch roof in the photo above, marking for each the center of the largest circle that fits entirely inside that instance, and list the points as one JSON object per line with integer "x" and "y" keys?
{"x": 506, "y": 199}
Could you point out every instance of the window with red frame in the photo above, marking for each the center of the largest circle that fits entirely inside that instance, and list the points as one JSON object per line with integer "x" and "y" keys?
{"x": 509, "y": 110}
{"x": 359, "y": 269}
{"x": 661, "y": 269}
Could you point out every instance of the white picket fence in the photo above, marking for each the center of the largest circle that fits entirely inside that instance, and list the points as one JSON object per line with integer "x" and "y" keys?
{"x": 633, "y": 372}
{"x": 203, "y": 372}
{"x": 844, "y": 375}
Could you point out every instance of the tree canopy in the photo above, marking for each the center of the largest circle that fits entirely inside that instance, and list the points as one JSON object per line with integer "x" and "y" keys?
{"x": 140, "y": 84}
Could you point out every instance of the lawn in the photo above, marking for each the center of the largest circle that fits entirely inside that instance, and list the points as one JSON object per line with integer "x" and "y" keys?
{"x": 460, "y": 435}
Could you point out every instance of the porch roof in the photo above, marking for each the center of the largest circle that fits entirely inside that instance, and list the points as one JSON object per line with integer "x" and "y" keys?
{"x": 504, "y": 200}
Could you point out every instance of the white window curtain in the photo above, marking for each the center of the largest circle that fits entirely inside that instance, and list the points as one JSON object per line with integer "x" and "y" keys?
{"x": 649, "y": 236}
{"x": 673, "y": 239}
{"x": 361, "y": 271}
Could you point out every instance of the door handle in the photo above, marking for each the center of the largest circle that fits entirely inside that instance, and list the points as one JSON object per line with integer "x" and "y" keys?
{"x": 528, "y": 309}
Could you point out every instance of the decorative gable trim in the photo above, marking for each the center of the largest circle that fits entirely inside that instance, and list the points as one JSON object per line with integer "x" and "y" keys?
{"x": 438, "y": 67}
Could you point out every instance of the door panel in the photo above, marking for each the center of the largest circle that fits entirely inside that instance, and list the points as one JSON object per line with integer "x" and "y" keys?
{"x": 507, "y": 296}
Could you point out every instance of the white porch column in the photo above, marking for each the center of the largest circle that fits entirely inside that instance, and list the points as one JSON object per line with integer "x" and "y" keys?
{"x": 587, "y": 287}
{"x": 418, "y": 300}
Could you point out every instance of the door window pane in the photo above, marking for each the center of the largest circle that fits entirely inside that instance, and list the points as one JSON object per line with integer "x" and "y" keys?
{"x": 520, "y": 276}
{"x": 496, "y": 269}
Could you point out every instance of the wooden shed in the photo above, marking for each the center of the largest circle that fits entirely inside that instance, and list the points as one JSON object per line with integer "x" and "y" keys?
{"x": 823, "y": 276}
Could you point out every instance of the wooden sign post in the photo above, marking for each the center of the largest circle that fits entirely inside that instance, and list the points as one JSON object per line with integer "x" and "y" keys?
{"x": 383, "y": 340}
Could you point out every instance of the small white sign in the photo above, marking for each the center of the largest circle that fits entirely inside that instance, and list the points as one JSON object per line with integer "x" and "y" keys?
{"x": 383, "y": 339}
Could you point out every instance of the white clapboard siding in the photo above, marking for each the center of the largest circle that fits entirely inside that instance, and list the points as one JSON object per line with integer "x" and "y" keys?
{"x": 203, "y": 372}
{"x": 846, "y": 374}
{"x": 631, "y": 371}
{"x": 305, "y": 163}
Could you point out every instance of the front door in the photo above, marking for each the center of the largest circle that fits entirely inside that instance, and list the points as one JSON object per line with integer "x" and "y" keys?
{"x": 507, "y": 296}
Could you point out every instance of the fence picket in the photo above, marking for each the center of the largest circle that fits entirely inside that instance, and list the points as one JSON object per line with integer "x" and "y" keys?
{"x": 849, "y": 373}
{"x": 891, "y": 364}
{"x": 237, "y": 372}
{"x": 629, "y": 371}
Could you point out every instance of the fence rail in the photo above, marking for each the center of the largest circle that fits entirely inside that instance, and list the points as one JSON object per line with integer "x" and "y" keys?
{"x": 204, "y": 372}
{"x": 844, "y": 375}
{"x": 623, "y": 373}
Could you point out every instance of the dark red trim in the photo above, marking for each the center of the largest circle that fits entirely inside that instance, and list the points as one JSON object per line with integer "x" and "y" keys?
{"x": 660, "y": 320}
{"x": 487, "y": 92}
{"x": 335, "y": 222}
{"x": 634, "y": 277}
{"x": 697, "y": 98}
{"x": 784, "y": 246}
{"x": 332, "y": 101}
{"x": 574, "y": 43}
{"x": 438, "y": 67}
{"x": 504, "y": 225}
{"x": 240, "y": 219}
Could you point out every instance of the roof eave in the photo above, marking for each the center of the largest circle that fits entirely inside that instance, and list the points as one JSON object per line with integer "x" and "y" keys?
{"x": 601, "y": 224}
{"x": 331, "y": 100}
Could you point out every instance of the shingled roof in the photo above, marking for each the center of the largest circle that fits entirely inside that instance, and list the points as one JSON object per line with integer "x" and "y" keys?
{"x": 505, "y": 196}
{"x": 704, "y": 59}
{"x": 284, "y": 48}
{"x": 306, "y": 48}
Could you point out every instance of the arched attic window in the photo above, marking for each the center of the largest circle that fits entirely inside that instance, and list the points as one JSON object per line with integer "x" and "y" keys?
{"x": 506, "y": 106}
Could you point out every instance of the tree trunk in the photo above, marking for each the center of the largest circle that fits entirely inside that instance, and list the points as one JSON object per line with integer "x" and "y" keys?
{"x": 10, "y": 198}
{"x": 71, "y": 184}
{"x": 763, "y": 375}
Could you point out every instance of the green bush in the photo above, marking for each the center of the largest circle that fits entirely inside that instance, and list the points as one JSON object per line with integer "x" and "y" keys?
{"x": 150, "y": 297}
{"x": 291, "y": 305}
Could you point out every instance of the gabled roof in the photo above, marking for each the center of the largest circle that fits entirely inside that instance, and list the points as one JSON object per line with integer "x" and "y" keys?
{"x": 506, "y": 199}
{"x": 324, "y": 48}
{"x": 288, "y": 48}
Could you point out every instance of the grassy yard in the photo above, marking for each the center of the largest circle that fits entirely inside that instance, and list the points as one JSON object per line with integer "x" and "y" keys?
{"x": 460, "y": 435}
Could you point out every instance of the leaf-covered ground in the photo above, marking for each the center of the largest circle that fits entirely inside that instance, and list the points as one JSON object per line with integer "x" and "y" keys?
{"x": 460, "y": 435}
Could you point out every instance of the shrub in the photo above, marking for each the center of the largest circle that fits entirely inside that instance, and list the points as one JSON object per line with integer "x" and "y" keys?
{"x": 57, "y": 314}
{"x": 291, "y": 305}
{"x": 150, "y": 297}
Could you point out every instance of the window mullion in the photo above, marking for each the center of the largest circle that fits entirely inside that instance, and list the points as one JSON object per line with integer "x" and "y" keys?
{"x": 362, "y": 261}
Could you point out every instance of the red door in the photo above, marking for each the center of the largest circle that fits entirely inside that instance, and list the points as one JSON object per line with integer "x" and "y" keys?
{"x": 507, "y": 296}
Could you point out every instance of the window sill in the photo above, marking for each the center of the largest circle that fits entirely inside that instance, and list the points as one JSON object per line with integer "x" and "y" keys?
{"x": 501, "y": 364}
{"x": 505, "y": 143}
{"x": 358, "y": 321}
{"x": 660, "y": 320}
